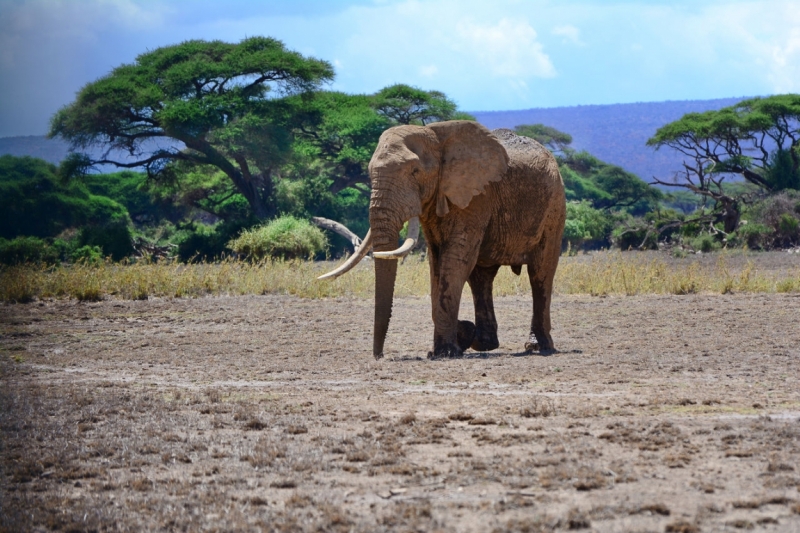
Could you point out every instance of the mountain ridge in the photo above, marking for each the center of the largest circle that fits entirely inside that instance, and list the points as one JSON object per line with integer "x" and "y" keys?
{"x": 614, "y": 133}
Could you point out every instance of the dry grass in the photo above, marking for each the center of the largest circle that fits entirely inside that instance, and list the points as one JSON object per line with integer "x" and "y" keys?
{"x": 600, "y": 274}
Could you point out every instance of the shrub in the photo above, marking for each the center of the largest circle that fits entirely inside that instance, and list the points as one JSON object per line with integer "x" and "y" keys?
{"x": 202, "y": 242}
{"x": 286, "y": 237}
{"x": 788, "y": 226}
{"x": 27, "y": 250}
{"x": 586, "y": 226}
{"x": 87, "y": 254}
{"x": 754, "y": 236}
{"x": 705, "y": 243}
{"x": 630, "y": 238}
{"x": 114, "y": 240}
{"x": 35, "y": 202}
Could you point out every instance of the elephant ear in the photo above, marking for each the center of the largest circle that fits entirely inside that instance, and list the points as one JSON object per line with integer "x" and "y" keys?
{"x": 471, "y": 158}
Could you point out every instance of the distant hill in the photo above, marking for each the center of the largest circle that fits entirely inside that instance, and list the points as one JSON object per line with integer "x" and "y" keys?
{"x": 55, "y": 150}
{"x": 52, "y": 151}
{"x": 614, "y": 133}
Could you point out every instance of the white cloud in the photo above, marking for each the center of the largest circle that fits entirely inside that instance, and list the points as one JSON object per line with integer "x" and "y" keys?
{"x": 570, "y": 34}
{"x": 507, "y": 49}
{"x": 504, "y": 54}
{"x": 785, "y": 72}
{"x": 429, "y": 71}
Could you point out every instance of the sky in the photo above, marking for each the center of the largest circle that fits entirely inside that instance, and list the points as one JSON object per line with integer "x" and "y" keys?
{"x": 485, "y": 55}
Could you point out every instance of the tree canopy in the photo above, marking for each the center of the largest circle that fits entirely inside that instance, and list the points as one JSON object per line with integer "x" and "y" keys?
{"x": 757, "y": 139}
{"x": 35, "y": 202}
{"x": 216, "y": 104}
{"x": 404, "y": 104}
{"x": 555, "y": 140}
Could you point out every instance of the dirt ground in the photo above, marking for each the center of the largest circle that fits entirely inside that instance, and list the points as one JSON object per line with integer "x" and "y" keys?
{"x": 268, "y": 413}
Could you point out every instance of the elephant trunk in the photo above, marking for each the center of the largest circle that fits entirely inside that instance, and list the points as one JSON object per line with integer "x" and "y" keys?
{"x": 385, "y": 226}
{"x": 385, "y": 275}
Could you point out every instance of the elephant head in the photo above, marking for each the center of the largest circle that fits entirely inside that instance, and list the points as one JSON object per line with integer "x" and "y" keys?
{"x": 420, "y": 171}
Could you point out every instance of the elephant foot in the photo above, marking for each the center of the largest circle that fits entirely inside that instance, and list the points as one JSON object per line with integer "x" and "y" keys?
{"x": 446, "y": 351}
{"x": 466, "y": 333}
{"x": 540, "y": 343}
{"x": 485, "y": 341}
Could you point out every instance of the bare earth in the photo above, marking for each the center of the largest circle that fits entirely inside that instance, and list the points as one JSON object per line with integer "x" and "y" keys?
{"x": 262, "y": 413}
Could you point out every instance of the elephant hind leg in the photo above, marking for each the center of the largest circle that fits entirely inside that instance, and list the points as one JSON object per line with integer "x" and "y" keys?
{"x": 480, "y": 282}
{"x": 541, "y": 273}
{"x": 540, "y": 338}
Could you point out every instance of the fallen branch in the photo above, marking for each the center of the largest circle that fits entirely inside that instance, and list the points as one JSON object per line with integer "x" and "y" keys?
{"x": 341, "y": 229}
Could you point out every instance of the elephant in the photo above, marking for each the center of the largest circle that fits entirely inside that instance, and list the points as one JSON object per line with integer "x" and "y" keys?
{"x": 484, "y": 199}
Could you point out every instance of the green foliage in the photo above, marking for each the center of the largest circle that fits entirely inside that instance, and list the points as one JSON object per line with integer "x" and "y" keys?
{"x": 555, "y": 140}
{"x": 788, "y": 226}
{"x": 780, "y": 214}
{"x": 754, "y": 236}
{"x": 404, "y": 104}
{"x": 579, "y": 187}
{"x": 341, "y": 142}
{"x": 586, "y": 226}
{"x": 115, "y": 240}
{"x": 782, "y": 173}
{"x": 606, "y": 186}
{"x": 705, "y": 243}
{"x": 767, "y": 129}
{"x": 133, "y": 191}
{"x": 635, "y": 235}
{"x": 35, "y": 202}
{"x": 222, "y": 101}
{"x": 683, "y": 201}
{"x": 87, "y": 254}
{"x": 202, "y": 242}
{"x": 27, "y": 250}
{"x": 200, "y": 187}
{"x": 286, "y": 237}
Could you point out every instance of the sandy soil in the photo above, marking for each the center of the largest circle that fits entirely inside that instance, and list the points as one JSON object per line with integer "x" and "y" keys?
{"x": 262, "y": 413}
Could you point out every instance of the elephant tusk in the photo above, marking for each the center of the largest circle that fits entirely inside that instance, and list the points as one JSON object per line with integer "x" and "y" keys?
{"x": 353, "y": 260}
{"x": 411, "y": 241}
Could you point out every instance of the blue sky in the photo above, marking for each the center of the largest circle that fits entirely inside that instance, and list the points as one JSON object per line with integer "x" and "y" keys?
{"x": 486, "y": 55}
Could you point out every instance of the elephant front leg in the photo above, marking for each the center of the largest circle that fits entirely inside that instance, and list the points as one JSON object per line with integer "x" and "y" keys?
{"x": 480, "y": 282}
{"x": 450, "y": 335}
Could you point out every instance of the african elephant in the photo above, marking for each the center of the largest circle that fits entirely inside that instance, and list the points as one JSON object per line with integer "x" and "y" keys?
{"x": 484, "y": 200}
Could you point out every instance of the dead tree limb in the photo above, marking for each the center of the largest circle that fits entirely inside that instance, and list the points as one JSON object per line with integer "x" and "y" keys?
{"x": 341, "y": 229}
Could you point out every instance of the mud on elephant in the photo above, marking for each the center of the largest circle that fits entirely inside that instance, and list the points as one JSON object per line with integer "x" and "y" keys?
{"x": 484, "y": 199}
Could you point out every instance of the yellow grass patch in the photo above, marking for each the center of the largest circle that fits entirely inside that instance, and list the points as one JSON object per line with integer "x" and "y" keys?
{"x": 608, "y": 273}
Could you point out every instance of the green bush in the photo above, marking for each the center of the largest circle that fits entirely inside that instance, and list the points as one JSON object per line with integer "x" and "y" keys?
{"x": 114, "y": 240}
{"x": 34, "y": 201}
{"x": 87, "y": 254}
{"x": 633, "y": 236}
{"x": 754, "y": 236}
{"x": 788, "y": 226}
{"x": 202, "y": 242}
{"x": 705, "y": 243}
{"x": 286, "y": 237}
{"x": 586, "y": 227}
{"x": 27, "y": 250}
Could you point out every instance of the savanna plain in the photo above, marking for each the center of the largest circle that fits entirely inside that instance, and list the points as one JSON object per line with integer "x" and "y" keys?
{"x": 673, "y": 404}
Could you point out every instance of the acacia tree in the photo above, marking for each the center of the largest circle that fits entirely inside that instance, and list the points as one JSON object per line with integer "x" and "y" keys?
{"x": 404, "y": 104}
{"x": 555, "y": 140}
{"x": 757, "y": 139}
{"x": 343, "y": 137}
{"x": 198, "y": 104}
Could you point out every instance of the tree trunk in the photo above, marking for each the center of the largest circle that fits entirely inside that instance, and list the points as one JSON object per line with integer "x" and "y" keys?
{"x": 730, "y": 215}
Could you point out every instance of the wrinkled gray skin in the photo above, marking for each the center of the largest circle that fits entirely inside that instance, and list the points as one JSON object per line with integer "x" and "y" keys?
{"x": 484, "y": 200}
